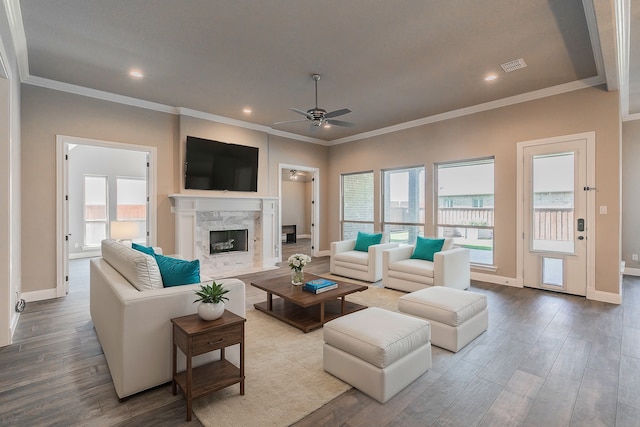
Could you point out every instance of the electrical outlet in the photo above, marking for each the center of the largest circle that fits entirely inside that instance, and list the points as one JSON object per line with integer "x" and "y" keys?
{"x": 634, "y": 257}
{"x": 603, "y": 210}
{"x": 77, "y": 245}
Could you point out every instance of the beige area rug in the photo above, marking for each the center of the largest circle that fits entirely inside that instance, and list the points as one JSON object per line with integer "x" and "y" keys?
{"x": 284, "y": 379}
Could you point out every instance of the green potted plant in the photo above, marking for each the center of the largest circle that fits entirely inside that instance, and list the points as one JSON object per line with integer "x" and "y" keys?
{"x": 211, "y": 298}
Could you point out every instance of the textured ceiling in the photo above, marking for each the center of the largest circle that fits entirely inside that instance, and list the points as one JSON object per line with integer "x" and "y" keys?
{"x": 390, "y": 62}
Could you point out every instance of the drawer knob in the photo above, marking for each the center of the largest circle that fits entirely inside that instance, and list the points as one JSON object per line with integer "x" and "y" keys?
{"x": 217, "y": 341}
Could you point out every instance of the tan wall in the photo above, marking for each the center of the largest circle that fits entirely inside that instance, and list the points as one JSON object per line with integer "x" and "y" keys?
{"x": 294, "y": 205}
{"x": 630, "y": 193}
{"x": 47, "y": 113}
{"x": 496, "y": 133}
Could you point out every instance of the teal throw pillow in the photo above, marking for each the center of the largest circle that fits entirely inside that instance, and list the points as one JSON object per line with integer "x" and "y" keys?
{"x": 364, "y": 240}
{"x": 425, "y": 248}
{"x": 143, "y": 249}
{"x": 176, "y": 272}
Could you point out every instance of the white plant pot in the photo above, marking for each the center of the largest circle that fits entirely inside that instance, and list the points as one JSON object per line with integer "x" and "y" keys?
{"x": 210, "y": 311}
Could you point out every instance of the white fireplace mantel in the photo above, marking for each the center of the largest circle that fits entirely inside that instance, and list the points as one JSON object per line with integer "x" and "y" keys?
{"x": 186, "y": 207}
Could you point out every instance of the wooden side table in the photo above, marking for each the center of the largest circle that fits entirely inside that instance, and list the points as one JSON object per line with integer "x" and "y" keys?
{"x": 195, "y": 336}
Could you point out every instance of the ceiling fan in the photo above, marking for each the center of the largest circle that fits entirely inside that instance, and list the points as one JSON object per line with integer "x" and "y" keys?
{"x": 318, "y": 116}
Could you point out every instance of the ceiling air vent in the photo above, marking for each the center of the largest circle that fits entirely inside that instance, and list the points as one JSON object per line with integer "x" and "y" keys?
{"x": 513, "y": 65}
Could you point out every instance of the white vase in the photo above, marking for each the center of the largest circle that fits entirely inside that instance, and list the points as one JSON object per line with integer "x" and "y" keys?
{"x": 210, "y": 311}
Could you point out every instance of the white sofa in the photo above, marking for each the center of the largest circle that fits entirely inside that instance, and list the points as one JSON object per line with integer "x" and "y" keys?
{"x": 366, "y": 266}
{"x": 450, "y": 267}
{"x": 134, "y": 326}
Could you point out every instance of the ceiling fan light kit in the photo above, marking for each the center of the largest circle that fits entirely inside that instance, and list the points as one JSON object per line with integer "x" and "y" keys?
{"x": 319, "y": 116}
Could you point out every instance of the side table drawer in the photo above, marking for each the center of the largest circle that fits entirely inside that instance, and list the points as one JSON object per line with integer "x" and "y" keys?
{"x": 216, "y": 339}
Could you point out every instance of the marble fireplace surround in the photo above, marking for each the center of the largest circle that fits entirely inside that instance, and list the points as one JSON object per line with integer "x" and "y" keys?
{"x": 197, "y": 215}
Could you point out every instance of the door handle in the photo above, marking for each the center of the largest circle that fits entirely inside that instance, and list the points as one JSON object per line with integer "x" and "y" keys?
{"x": 580, "y": 224}
{"x": 580, "y": 237}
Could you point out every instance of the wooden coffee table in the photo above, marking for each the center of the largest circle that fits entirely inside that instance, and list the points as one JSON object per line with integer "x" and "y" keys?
{"x": 305, "y": 310}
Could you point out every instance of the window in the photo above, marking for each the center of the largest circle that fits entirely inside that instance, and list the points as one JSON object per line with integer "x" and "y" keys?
{"x": 131, "y": 204}
{"x": 95, "y": 210}
{"x": 403, "y": 206}
{"x": 469, "y": 185}
{"x": 357, "y": 204}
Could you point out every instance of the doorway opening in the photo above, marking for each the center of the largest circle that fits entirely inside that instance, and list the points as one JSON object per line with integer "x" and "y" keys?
{"x": 298, "y": 194}
{"x": 105, "y": 190}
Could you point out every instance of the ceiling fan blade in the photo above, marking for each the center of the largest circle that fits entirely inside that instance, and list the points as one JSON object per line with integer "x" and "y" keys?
{"x": 340, "y": 123}
{"x": 337, "y": 113}
{"x": 304, "y": 113}
{"x": 290, "y": 121}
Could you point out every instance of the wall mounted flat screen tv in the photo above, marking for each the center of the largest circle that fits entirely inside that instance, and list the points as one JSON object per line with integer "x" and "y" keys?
{"x": 215, "y": 165}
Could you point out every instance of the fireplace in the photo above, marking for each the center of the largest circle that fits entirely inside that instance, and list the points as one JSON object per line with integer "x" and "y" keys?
{"x": 223, "y": 241}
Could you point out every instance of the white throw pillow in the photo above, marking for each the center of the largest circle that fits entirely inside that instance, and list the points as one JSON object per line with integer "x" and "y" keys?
{"x": 140, "y": 269}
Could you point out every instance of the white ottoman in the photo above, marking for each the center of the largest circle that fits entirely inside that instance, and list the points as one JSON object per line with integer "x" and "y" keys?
{"x": 457, "y": 317}
{"x": 377, "y": 351}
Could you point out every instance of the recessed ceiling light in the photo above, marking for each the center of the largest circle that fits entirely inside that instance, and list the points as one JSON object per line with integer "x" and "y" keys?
{"x": 491, "y": 77}
{"x": 247, "y": 110}
{"x": 136, "y": 74}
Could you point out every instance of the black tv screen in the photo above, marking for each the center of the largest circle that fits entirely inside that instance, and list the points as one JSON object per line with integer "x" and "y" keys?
{"x": 215, "y": 165}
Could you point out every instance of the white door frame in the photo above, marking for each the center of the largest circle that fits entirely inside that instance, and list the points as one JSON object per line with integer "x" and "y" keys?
{"x": 590, "y": 233}
{"x": 62, "y": 214}
{"x": 315, "y": 207}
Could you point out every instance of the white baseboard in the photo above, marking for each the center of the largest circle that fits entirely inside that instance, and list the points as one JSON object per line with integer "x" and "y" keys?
{"x": 39, "y": 295}
{"x": 303, "y": 236}
{"x": 324, "y": 253}
{"x": 631, "y": 271}
{"x": 498, "y": 280}
{"x": 608, "y": 297}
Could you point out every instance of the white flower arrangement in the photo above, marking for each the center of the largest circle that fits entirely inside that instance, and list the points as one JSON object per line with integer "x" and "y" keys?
{"x": 297, "y": 261}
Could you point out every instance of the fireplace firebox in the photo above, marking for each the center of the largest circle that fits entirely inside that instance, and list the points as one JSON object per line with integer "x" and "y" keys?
{"x": 221, "y": 241}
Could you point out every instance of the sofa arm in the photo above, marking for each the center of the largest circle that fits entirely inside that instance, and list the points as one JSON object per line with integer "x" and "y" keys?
{"x": 375, "y": 257}
{"x": 452, "y": 268}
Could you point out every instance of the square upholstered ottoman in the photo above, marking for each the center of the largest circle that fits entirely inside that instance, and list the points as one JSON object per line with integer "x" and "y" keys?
{"x": 457, "y": 317}
{"x": 377, "y": 351}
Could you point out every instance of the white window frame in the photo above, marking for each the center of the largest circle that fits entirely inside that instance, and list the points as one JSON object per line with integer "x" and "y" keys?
{"x": 439, "y": 226}
{"x": 386, "y": 220}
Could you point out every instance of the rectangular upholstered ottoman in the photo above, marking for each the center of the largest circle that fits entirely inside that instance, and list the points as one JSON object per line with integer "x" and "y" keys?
{"x": 377, "y": 351}
{"x": 457, "y": 317}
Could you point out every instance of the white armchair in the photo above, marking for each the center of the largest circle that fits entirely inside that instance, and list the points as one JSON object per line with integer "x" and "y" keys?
{"x": 359, "y": 265}
{"x": 450, "y": 267}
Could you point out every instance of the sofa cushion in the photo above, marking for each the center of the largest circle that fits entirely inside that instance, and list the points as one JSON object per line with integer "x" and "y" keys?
{"x": 176, "y": 272}
{"x": 448, "y": 244}
{"x": 364, "y": 240}
{"x": 425, "y": 248}
{"x": 141, "y": 270}
{"x": 419, "y": 267}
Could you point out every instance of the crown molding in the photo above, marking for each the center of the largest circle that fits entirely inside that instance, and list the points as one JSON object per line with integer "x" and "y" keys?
{"x": 98, "y": 94}
{"x": 492, "y": 105}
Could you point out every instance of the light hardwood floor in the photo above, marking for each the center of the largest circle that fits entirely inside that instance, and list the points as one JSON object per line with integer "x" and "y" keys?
{"x": 547, "y": 360}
